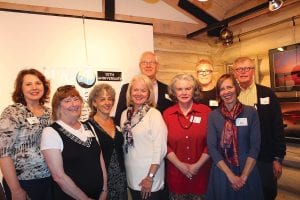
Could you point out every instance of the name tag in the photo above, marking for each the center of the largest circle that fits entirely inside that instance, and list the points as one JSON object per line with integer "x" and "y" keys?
{"x": 213, "y": 103}
{"x": 241, "y": 122}
{"x": 195, "y": 119}
{"x": 265, "y": 101}
{"x": 168, "y": 97}
{"x": 33, "y": 120}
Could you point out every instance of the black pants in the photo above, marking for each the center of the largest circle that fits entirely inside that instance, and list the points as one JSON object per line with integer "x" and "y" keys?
{"x": 37, "y": 189}
{"x": 268, "y": 181}
{"x": 136, "y": 195}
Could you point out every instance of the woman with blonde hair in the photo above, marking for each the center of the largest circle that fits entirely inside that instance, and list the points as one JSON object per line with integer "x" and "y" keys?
{"x": 145, "y": 141}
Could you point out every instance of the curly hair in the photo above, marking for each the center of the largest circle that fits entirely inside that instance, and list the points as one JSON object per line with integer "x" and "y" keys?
{"x": 96, "y": 91}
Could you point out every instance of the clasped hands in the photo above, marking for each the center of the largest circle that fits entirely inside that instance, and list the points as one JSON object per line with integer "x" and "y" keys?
{"x": 189, "y": 170}
{"x": 237, "y": 182}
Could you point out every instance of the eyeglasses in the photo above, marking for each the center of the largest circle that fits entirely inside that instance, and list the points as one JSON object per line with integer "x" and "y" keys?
{"x": 243, "y": 69}
{"x": 148, "y": 63}
{"x": 204, "y": 72}
{"x": 65, "y": 88}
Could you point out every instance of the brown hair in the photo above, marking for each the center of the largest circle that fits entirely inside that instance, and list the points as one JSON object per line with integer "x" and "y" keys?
{"x": 61, "y": 93}
{"x": 18, "y": 96}
{"x": 96, "y": 91}
{"x": 221, "y": 80}
{"x": 197, "y": 94}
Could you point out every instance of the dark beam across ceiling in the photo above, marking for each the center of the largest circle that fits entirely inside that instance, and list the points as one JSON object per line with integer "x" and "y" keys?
{"x": 224, "y": 22}
{"x": 201, "y": 15}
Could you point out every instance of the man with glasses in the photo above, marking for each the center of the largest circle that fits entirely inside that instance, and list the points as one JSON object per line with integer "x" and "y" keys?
{"x": 273, "y": 147}
{"x": 148, "y": 66}
{"x": 204, "y": 69}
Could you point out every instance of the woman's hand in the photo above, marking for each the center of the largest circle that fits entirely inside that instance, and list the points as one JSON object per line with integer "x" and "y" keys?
{"x": 184, "y": 168}
{"x": 19, "y": 194}
{"x": 193, "y": 168}
{"x": 146, "y": 185}
{"x": 236, "y": 182}
{"x": 103, "y": 195}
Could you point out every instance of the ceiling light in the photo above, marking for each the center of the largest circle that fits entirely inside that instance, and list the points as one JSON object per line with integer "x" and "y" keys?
{"x": 275, "y": 4}
{"x": 202, "y": 0}
{"x": 226, "y": 36}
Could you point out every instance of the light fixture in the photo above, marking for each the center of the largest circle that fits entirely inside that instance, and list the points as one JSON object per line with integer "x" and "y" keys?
{"x": 226, "y": 36}
{"x": 275, "y": 4}
{"x": 202, "y": 0}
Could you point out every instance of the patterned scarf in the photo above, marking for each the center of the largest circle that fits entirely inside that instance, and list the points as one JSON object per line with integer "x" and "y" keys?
{"x": 229, "y": 137}
{"x": 132, "y": 120}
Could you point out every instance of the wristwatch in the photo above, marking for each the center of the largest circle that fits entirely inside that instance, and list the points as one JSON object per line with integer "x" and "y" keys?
{"x": 151, "y": 175}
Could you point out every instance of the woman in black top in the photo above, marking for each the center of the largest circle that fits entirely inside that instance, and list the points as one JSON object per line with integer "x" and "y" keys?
{"x": 101, "y": 100}
{"x": 72, "y": 151}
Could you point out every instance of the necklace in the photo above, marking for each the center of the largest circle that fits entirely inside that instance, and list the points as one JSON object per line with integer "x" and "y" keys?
{"x": 186, "y": 126}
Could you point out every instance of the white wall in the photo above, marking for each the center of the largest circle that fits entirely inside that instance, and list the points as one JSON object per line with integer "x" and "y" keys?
{"x": 55, "y": 45}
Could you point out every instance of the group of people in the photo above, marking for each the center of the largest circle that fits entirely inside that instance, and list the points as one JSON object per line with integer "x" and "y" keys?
{"x": 217, "y": 140}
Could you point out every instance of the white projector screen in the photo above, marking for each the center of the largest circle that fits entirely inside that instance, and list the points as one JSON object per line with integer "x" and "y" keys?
{"x": 56, "y": 46}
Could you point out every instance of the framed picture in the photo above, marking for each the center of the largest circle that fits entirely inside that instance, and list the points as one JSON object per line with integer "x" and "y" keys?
{"x": 285, "y": 68}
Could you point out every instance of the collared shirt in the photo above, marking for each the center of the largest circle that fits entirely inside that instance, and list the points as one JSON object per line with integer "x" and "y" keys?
{"x": 187, "y": 140}
{"x": 20, "y": 134}
{"x": 248, "y": 96}
{"x": 155, "y": 90}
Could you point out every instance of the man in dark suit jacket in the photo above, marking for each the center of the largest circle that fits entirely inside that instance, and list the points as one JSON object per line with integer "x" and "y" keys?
{"x": 273, "y": 147}
{"x": 149, "y": 67}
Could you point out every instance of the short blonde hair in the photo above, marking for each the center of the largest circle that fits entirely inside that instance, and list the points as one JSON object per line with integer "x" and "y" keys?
{"x": 243, "y": 59}
{"x": 197, "y": 94}
{"x": 141, "y": 78}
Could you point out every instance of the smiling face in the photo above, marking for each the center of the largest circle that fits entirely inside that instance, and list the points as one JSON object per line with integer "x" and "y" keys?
{"x": 184, "y": 91}
{"x": 228, "y": 93}
{"x": 149, "y": 65}
{"x": 70, "y": 108}
{"x": 244, "y": 73}
{"x": 139, "y": 93}
{"x": 204, "y": 73}
{"x": 32, "y": 88}
{"x": 103, "y": 103}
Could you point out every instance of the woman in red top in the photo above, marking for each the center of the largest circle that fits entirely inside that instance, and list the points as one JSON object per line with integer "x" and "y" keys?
{"x": 188, "y": 160}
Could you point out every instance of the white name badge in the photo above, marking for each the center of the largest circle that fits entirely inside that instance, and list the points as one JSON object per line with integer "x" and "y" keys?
{"x": 241, "y": 122}
{"x": 195, "y": 119}
{"x": 168, "y": 97}
{"x": 33, "y": 120}
{"x": 213, "y": 103}
{"x": 265, "y": 101}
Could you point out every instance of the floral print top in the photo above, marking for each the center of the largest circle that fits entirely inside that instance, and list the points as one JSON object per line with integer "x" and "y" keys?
{"x": 20, "y": 135}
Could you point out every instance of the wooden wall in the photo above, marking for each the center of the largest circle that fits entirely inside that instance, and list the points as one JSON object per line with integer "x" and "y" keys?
{"x": 253, "y": 38}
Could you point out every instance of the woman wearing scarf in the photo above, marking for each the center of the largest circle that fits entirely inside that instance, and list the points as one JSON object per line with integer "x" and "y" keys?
{"x": 233, "y": 142}
{"x": 145, "y": 136}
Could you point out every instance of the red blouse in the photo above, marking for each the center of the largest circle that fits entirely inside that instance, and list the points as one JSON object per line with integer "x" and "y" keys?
{"x": 187, "y": 139}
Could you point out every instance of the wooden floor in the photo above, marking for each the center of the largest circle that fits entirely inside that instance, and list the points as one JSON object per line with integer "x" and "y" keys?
{"x": 289, "y": 183}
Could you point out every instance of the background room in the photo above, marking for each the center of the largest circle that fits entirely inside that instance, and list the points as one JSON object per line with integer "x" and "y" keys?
{"x": 68, "y": 38}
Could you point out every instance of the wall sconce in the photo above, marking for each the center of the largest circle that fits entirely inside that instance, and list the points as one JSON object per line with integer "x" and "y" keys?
{"x": 226, "y": 36}
{"x": 275, "y": 4}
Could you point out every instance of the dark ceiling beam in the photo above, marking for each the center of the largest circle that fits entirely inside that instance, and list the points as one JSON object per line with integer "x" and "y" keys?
{"x": 228, "y": 20}
{"x": 109, "y": 9}
{"x": 199, "y": 14}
